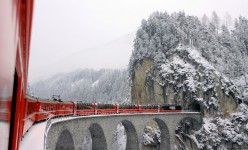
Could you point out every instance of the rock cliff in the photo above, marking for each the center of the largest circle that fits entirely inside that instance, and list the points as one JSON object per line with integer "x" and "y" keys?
{"x": 178, "y": 60}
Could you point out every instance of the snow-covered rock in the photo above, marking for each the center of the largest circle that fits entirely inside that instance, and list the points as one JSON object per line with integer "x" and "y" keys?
{"x": 178, "y": 60}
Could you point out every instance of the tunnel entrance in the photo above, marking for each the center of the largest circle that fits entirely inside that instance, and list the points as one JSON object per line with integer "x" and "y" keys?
{"x": 196, "y": 106}
{"x": 98, "y": 137}
{"x": 65, "y": 141}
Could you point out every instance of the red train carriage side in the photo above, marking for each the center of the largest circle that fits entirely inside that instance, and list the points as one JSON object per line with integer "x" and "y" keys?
{"x": 65, "y": 108}
{"x": 128, "y": 108}
{"x": 46, "y": 109}
{"x": 41, "y": 109}
{"x": 106, "y": 109}
{"x": 149, "y": 108}
{"x": 85, "y": 108}
{"x": 30, "y": 114}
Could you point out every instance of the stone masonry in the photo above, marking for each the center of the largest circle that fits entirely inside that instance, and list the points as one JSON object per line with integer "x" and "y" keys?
{"x": 70, "y": 133}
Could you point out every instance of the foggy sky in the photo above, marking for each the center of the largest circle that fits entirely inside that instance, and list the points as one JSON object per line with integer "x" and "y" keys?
{"x": 63, "y": 27}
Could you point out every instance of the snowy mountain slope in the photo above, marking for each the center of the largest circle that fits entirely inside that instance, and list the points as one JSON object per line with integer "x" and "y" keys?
{"x": 179, "y": 60}
{"x": 112, "y": 55}
{"x": 102, "y": 86}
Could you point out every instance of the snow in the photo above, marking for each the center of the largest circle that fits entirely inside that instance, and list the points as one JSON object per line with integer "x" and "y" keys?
{"x": 212, "y": 102}
{"x": 208, "y": 126}
{"x": 95, "y": 83}
{"x": 151, "y": 136}
{"x": 120, "y": 138}
{"x": 208, "y": 135}
{"x": 199, "y": 66}
{"x": 34, "y": 139}
{"x": 87, "y": 142}
{"x": 217, "y": 130}
{"x": 179, "y": 67}
{"x": 102, "y": 86}
{"x": 245, "y": 93}
{"x": 197, "y": 56}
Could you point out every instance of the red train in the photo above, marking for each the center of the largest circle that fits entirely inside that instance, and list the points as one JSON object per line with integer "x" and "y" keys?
{"x": 38, "y": 109}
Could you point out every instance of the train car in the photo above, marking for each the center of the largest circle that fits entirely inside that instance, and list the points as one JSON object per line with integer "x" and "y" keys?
{"x": 46, "y": 109}
{"x": 85, "y": 108}
{"x": 15, "y": 29}
{"x": 128, "y": 108}
{"x": 106, "y": 109}
{"x": 30, "y": 114}
{"x": 65, "y": 108}
{"x": 170, "y": 108}
{"x": 148, "y": 108}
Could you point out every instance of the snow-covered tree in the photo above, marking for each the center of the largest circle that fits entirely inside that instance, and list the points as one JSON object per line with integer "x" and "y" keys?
{"x": 215, "y": 20}
{"x": 105, "y": 86}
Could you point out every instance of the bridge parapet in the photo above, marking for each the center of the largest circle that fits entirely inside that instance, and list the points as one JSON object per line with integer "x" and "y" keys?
{"x": 103, "y": 127}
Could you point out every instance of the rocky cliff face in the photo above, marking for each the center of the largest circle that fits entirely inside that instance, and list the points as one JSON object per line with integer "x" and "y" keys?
{"x": 177, "y": 60}
{"x": 185, "y": 79}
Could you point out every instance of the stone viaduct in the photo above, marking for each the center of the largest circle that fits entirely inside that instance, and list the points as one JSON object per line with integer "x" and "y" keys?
{"x": 70, "y": 133}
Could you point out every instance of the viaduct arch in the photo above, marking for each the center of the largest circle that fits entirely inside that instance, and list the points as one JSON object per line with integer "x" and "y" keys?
{"x": 65, "y": 141}
{"x": 102, "y": 129}
{"x": 98, "y": 137}
{"x": 165, "y": 134}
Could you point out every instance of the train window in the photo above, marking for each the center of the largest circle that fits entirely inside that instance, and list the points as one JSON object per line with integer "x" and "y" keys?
{"x": 178, "y": 107}
{"x": 165, "y": 107}
{"x": 127, "y": 106}
{"x": 81, "y": 106}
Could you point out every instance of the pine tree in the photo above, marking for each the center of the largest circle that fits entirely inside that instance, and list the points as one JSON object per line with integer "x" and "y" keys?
{"x": 215, "y": 20}
{"x": 225, "y": 38}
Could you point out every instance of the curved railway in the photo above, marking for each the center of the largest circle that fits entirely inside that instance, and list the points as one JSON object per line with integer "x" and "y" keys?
{"x": 38, "y": 109}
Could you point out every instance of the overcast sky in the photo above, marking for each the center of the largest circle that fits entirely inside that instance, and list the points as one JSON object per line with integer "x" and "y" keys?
{"x": 63, "y": 27}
